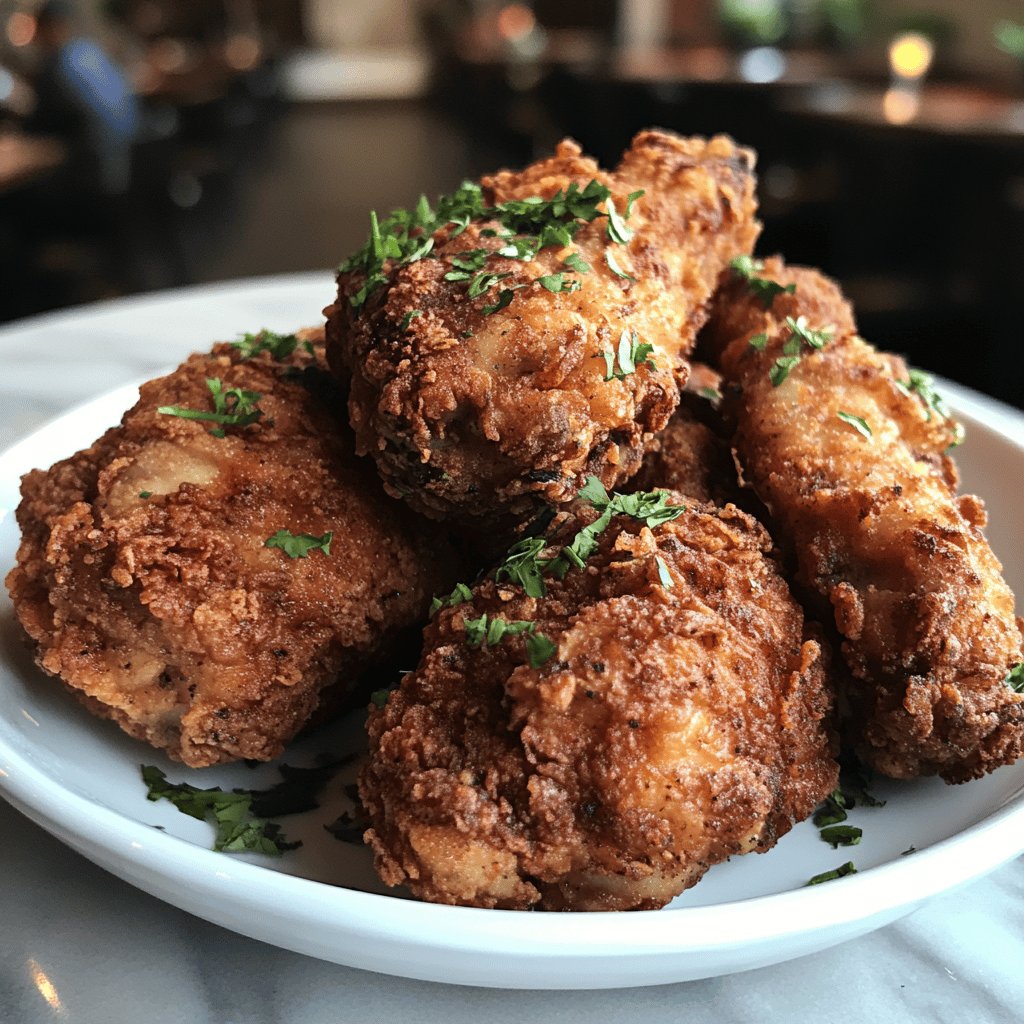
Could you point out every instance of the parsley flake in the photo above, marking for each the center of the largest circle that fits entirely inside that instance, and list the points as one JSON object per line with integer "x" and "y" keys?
{"x": 539, "y": 649}
{"x": 613, "y": 266}
{"x": 781, "y": 368}
{"x": 711, "y": 394}
{"x": 232, "y": 407}
{"x": 482, "y": 282}
{"x": 576, "y": 262}
{"x": 618, "y": 231}
{"x": 631, "y": 199}
{"x": 505, "y": 297}
{"x": 238, "y": 829}
{"x": 630, "y": 354}
{"x": 460, "y": 595}
{"x": 523, "y": 565}
{"x": 145, "y": 494}
{"x": 745, "y": 266}
{"x": 664, "y": 576}
{"x": 759, "y": 341}
{"x": 813, "y": 339}
{"x": 841, "y": 835}
{"x": 408, "y": 319}
{"x": 857, "y": 422}
{"x": 827, "y": 876}
{"x": 299, "y": 545}
{"x": 1015, "y": 678}
{"x": 559, "y": 283}
{"x": 280, "y": 346}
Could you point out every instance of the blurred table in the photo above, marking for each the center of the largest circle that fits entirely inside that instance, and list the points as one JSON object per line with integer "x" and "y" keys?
{"x": 944, "y": 110}
{"x": 25, "y": 158}
{"x": 82, "y": 946}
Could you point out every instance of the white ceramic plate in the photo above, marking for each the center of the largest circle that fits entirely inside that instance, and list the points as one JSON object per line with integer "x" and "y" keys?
{"x": 78, "y": 777}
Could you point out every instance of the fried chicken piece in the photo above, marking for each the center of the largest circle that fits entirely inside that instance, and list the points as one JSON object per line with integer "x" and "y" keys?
{"x": 689, "y": 455}
{"x": 680, "y": 719}
{"x": 482, "y": 392}
{"x": 847, "y": 447}
{"x": 145, "y": 581}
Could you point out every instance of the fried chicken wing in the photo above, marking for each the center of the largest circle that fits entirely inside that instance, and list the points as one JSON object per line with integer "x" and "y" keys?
{"x": 146, "y": 582}
{"x": 534, "y": 330}
{"x": 598, "y": 747}
{"x": 847, "y": 447}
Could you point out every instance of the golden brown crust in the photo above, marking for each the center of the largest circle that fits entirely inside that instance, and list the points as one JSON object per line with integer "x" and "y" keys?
{"x": 878, "y": 532}
{"x": 674, "y": 727}
{"x": 482, "y": 416}
{"x": 167, "y": 613}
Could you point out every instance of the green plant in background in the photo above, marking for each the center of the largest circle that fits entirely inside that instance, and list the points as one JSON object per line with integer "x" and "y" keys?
{"x": 1009, "y": 37}
{"x": 845, "y": 20}
{"x": 754, "y": 22}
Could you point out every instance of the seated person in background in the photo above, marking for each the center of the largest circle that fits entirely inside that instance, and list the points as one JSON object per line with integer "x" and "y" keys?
{"x": 85, "y": 99}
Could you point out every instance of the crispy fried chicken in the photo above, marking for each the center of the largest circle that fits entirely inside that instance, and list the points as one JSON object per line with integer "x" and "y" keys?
{"x": 534, "y": 330}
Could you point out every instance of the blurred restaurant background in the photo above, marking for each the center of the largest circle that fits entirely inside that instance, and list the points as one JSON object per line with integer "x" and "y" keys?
{"x": 158, "y": 143}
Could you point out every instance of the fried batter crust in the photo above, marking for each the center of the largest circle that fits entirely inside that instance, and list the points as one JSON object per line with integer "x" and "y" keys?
{"x": 475, "y": 415}
{"x": 878, "y": 532}
{"x": 168, "y": 614}
{"x": 674, "y": 727}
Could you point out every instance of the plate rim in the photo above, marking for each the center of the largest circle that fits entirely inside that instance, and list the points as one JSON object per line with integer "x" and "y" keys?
{"x": 892, "y": 887}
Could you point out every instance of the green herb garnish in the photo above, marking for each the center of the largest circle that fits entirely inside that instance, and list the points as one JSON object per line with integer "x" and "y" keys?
{"x": 618, "y": 230}
{"x": 490, "y": 632}
{"x": 576, "y": 262}
{"x": 841, "y": 835}
{"x": 833, "y": 811}
{"x": 827, "y": 876}
{"x": 145, "y": 494}
{"x": 559, "y": 283}
{"x": 664, "y": 576}
{"x": 857, "y": 422}
{"x": 231, "y": 408}
{"x": 458, "y": 596}
{"x": 1015, "y": 678}
{"x": 711, "y": 394}
{"x": 280, "y": 346}
{"x": 408, "y": 319}
{"x": 539, "y": 649}
{"x": 759, "y": 341}
{"x": 522, "y": 565}
{"x": 630, "y": 354}
{"x": 238, "y": 829}
{"x": 613, "y": 266}
{"x": 299, "y": 545}
{"x": 781, "y": 368}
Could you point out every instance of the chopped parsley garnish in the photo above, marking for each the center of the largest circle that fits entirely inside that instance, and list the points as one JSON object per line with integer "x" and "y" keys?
{"x": 630, "y": 354}
{"x": 380, "y": 697}
{"x": 664, "y": 576}
{"x": 559, "y": 283}
{"x": 759, "y": 341}
{"x": 522, "y": 565}
{"x": 145, "y": 494}
{"x": 1015, "y": 678}
{"x": 841, "y": 835}
{"x": 764, "y": 288}
{"x": 833, "y": 811}
{"x": 924, "y": 385}
{"x": 812, "y": 339}
{"x": 482, "y": 282}
{"x": 745, "y": 266}
{"x": 618, "y": 231}
{"x": 458, "y": 596}
{"x": 299, "y": 545}
{"x": 408, "y": 319}
{"x": 238, "y": 828}
{"x": 827, "y": 876}
{"x": 781, "y": 368}
{"x": 711, "y": 394}
{"x": 472, "y": 260}
{"x": 857, "y": 422}
{"x": 490, "y": 632}
{"x": 630, "y": 200}
{"x": 576, "y": 262}
{"x": 280, "y": 346}
{"x": 613, "y": 266}
{"x": 231, "y": 408}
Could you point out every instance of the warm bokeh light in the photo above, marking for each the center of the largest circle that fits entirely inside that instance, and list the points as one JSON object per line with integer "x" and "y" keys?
{"x": 516, "y": 21}
{"x": 901, "y": 106}
{"x": 21, "y": 28}
{"x": 44, "y": 986}
{"x": 242, "y": 52}
{"x": 910, "y": 55}
{"x": 169, "y": 56}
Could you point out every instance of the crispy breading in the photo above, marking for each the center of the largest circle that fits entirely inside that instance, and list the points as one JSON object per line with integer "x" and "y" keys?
{"x": 682, "y": 719}
{"x": 480, "y": 415}
{"x": 145, "y": 583}
{"x": 690, "y": 455}
{"x": 851, "y": 457}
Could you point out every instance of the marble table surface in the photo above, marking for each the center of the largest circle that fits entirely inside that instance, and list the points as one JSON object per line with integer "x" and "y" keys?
{"x": 79, "y": 945}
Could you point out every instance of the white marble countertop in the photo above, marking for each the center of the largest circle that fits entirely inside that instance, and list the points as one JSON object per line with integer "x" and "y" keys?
{"x": 82, "y": 946}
